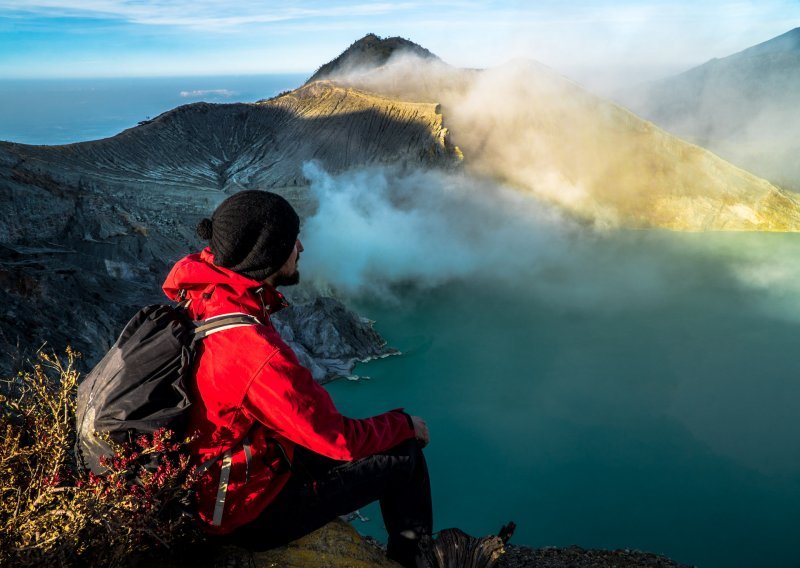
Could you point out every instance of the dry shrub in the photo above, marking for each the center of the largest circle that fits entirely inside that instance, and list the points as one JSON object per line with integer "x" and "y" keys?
{"x": 54, "y": 514}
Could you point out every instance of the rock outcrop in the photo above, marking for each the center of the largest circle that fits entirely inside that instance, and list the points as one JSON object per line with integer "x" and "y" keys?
{"x": 328, "y": 338}
{"x": 336, "y": 545}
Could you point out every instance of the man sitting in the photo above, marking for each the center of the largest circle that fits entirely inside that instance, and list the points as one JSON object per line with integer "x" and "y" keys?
{"x": 287, "y": 462}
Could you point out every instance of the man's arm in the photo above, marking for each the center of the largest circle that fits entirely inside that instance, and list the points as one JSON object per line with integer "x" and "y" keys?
{"x": 284, "y": 396}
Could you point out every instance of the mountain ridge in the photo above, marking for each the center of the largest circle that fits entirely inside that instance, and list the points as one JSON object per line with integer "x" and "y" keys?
{"x": 788, "y": 42}
{"x": 742, "y": 107}
{"x": 208, "y": 150}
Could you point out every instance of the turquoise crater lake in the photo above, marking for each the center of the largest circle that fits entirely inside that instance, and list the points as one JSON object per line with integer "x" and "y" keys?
{"x": 661, "y": 417}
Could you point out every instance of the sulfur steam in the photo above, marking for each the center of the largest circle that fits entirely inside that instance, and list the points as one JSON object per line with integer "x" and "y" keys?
{"x": 525, "y": 126}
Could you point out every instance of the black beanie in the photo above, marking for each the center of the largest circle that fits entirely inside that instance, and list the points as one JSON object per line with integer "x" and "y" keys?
{"x": 252, "y": 232}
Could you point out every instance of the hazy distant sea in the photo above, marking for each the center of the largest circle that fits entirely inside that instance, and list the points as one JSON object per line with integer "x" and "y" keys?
{"x": 61, "y": 111}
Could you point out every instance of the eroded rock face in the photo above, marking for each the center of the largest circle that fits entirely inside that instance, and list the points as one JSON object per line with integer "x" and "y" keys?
{"x": 67, "y": 296}
{"x": 194, "y": 155}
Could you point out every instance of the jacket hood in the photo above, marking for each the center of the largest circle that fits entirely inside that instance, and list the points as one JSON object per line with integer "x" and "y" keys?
{"x": 213, "y": 289}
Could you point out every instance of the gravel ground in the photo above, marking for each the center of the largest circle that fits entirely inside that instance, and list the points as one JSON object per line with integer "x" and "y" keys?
{"x": 576, "y": 557}
{"x": 517, "y": 556}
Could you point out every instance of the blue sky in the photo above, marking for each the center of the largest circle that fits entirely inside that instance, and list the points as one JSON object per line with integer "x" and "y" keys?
{"x": 587, "y": 39}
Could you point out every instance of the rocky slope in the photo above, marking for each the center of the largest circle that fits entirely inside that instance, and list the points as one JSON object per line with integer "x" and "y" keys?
{"x": 743, "y": 107}
{"x": 328, "y": 339}
{"x": 525, "y": 125}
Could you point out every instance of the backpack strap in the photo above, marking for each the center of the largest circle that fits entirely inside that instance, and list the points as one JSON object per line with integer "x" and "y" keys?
{"x": 224, "y": 476}
{"x": 222, "y": 490}
{"x": 212, "y": 325}
{"x": 203, "y": 329}
{"x": 248, "y": 457}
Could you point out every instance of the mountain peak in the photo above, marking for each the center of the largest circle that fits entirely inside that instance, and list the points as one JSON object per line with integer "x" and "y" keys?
{"x": 369, "y": 52}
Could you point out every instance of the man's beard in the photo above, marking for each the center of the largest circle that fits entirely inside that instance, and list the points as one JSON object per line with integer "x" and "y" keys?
{"x": 287, "y": 279}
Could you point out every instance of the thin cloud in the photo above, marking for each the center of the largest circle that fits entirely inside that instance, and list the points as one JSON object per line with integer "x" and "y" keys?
{"x": 202, "y": 14}
{"x": 602, "y": 45}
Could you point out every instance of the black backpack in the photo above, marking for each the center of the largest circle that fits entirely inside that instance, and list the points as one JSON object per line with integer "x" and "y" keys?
{"x": 140, "y": 384}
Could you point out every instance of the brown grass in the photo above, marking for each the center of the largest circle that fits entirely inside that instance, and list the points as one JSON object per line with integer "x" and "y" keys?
{"x": 54, "y": 514}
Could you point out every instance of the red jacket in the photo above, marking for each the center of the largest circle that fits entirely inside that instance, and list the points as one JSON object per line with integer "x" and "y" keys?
{"x": 250, "y": 387}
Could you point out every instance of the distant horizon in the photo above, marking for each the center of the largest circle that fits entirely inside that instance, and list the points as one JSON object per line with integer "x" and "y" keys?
{"x": 177, "y": 76}
{"x": 598, "y": 43}
{"x": 66, "y": 110}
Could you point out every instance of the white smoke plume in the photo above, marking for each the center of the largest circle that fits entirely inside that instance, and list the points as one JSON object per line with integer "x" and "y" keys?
{"x": 378, "y": 227}
{"x": 379, "y": 230}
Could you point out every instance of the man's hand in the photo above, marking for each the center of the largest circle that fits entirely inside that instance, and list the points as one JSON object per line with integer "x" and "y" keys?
{"x": 421, "y": 430}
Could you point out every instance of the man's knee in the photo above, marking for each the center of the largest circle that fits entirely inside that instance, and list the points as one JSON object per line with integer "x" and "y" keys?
{"x": 408, "y": 455}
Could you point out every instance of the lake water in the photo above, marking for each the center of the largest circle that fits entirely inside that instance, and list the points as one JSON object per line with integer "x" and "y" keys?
{"x": 660, "y": 418}
{"x": 60, "y": 111}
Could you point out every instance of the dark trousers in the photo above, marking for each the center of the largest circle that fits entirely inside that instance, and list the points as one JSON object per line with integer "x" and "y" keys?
{"x": 321, "y": 489}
